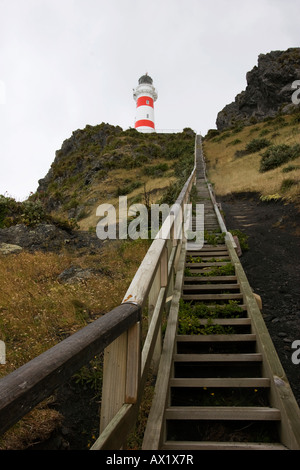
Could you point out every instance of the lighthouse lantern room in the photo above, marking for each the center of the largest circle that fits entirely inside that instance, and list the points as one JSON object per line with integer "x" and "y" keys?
{"x": 144, "y": 95}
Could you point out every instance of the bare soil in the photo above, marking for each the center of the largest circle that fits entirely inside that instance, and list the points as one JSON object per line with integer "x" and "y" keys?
{"x": 272, "y": 268}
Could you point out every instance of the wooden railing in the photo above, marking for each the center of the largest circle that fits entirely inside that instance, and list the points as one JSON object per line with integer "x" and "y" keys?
{"x": 126, "y": 362}
{"x": 118, "y": 333}
{"x": 23, "y": 389}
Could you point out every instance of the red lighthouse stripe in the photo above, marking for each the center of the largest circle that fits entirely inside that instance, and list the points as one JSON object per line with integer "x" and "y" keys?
{"x": 144, "y": 101}
{"x": 144, "y": 122}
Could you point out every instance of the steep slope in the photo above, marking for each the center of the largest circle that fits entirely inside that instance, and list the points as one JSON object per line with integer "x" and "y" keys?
{"x": 56, "y": 284}
{"x": 99, "y": 163}
{"x": 262, "y": 158}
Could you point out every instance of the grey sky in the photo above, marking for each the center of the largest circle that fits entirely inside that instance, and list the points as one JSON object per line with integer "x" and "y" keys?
{"x": 68, "y": 63}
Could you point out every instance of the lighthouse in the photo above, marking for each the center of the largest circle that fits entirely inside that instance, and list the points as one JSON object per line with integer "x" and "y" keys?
{"x": 145, "y": 95}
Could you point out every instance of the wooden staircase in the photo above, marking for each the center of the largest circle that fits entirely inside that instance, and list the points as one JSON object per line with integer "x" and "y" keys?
{"x": 220, "y": 384}
{"x": 218, "y": 397}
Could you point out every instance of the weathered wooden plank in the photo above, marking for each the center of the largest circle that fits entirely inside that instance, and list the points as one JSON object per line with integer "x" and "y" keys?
{"x": 114, "y": 380}
{"x": 255, "y": 413}
{"x": 212, "y": 296}
{"x": 226, "y": 321}
{"x": 212, "y": 287}
{"x": 207, "y": 264}
{"x": 216, "y": 338}
{"x": 133, "y": 366}
{"x": 207, "y": 247}
{"x": 152, "y": 300}
{"x": 153, "y": 435}
{"x": 239, "y": 357}
{"x": 208, "y": 253}
{"x": 24, "y": 388}
{"x": 141, "y": 284}
{"x": 239, "y": 382}
{"x": 151, "y": 337}
{"x": 112, "y": 437}
{"x": 211, "y": 445}
{"x": 204, "y": 279}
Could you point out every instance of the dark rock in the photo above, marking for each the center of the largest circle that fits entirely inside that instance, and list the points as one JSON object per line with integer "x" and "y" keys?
{"x": 269, "y": 90}
{"x": 8, "y": 248}
{"x": 34, "y": 237}
{"x": 75, "y": 274}
{"x": 49, "y": 237}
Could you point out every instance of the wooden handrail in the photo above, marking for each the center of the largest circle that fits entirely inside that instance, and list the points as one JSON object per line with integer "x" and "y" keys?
{"x": 151, "y": 283}
{"x": 142, "y": 281}
{"x": 23, "y": 389}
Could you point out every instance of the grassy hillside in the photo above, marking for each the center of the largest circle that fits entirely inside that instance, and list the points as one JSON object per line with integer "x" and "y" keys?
{"x": 100, "y": 163}
{"x": 37, "y": 309}
{"x": 263, "y": 157}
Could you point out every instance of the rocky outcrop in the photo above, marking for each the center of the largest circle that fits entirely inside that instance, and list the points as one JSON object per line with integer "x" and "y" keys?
{"x": 46, "y": 237}
{"x": 76, "y": 164}
{"x": 268, "y": 92}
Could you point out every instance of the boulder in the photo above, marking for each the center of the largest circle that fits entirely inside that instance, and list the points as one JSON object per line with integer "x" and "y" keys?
{"x": 269, "y": 90}
{"x": 8, "y": 249}
{"x": 75, "y": 274}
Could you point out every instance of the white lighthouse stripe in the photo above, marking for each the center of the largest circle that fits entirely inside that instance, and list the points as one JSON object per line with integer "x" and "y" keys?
{"x": 145, "y": 112}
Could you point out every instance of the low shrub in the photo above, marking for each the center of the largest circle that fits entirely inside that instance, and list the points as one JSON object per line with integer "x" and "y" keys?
{"x": 156, "y": 170}
{"x": 28, "y": 212}
{"x": 277, "y": 155}
{"x": 287, "y": 184}
{"x": 127, "y": 188}
{"x": 289, "y": 168}
{"x": 253, "y": 146}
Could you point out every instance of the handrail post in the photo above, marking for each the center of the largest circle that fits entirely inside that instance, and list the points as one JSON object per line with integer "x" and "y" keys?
{"x": 134, "y": 356}
{"x": 152, "y": 299}
{"x": 114, "y": 379}
{"x": 121, "y": 373}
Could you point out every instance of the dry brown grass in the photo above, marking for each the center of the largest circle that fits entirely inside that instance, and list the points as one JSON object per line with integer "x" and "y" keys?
{"x": 104, "y": 192}
{"x": 231, "y": 174}
{"x": 36, "y": 427}
{"x": 37, "y": 311}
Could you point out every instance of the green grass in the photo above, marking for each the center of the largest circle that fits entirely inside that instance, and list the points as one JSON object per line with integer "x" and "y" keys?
{"x": 266, "y": 149}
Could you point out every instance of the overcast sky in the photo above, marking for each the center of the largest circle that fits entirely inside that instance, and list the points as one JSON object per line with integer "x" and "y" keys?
{"x": 68, "y": 63}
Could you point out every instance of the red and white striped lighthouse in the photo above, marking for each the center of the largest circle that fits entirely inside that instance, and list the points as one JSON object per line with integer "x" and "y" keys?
{"x": 145, "y": 95}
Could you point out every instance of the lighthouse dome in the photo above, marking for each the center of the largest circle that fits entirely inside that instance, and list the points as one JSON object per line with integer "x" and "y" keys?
{"x": 145, "y": 79}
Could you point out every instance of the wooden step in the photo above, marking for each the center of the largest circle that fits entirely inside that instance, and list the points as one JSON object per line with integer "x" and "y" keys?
{"x": 231, "y": 413}
{"x": 212, "y": 296}
{"x": 220, "y": 247}
{"x": 211, "y": 445}
{"x": 207, "y": 253}
{"x": 248, "y": 357}
{"x": 228, "y": 382}
{"x": 200, "y": 271}
{"x": 215, "y": 338}
{"x": 211, "y": 287}
{"x": 225, "y": 321}
{"x": 210, "y": 278}
{"x": 208, "y": 259}
{"x": 243, "y": 307}
{"x": 206, "y": 265}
